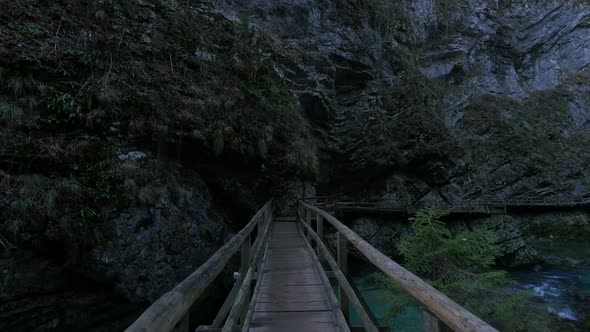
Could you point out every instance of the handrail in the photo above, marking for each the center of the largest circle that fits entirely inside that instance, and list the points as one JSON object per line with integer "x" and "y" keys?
{"x": 244, "y": 290}
{"x": 334, "y": 304}
{"x": 164, "y": 314}
{"x": 369, "y": 325}
{"x": 445, "y": 309}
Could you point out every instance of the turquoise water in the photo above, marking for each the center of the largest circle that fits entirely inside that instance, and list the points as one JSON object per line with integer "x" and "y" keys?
{"x": 561, "y": 284}
{"x": 378, "y": 298}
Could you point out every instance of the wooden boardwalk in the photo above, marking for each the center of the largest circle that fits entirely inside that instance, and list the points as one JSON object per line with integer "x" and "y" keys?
{"x": 291, "y": 295}
{"x": 281, "y": 285}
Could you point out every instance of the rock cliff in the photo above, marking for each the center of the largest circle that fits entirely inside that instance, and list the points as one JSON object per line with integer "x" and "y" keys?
{"x": 136, "y": 136}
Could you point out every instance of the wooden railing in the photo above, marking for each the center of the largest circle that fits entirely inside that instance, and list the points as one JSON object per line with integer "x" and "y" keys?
{"x": 171, "y": 311}
{"x": 439, "y": 306}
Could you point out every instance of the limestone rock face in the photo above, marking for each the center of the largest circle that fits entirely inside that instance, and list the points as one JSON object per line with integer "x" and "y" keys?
{"x": 509, "y": 50}
{"x": 409, "y": 100}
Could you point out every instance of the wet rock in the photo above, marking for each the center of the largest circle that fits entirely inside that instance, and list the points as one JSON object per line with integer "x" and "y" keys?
{"x": 513, "y": 248}
{"x": 132, "y": 155}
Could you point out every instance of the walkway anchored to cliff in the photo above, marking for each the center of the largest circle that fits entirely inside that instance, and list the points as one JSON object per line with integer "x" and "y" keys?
{"x": 282, "y": 284}
{"x": 482, "y": 206}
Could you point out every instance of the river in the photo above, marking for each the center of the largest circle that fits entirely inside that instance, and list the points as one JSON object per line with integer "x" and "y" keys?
{"x": 561, "y": 285}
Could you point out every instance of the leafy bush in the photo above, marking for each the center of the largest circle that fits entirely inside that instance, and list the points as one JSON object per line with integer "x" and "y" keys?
{"x": 63, "y": 108}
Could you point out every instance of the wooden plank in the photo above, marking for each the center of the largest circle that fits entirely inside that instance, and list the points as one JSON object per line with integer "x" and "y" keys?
{"x": 284, "y": 219}
{"x": 307, "y": 328}
{"x": 291, "y": 295}
{"x": 286, "y": 243}
{"x": 295, "y": 291}
{"x": 284, "y": 227}
{"x": 294, "y": 297}
{"x": 293, "y": 319}
{"x": 292, "y": 306}
{"x": 290, "y": 278}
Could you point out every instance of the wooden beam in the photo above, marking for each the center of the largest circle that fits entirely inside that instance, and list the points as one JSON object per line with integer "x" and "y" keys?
{"x": 170, "y": 308}
{"x": 320, "y": 231}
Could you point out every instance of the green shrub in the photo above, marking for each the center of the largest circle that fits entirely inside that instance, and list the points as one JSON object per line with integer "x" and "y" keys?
{"x": 462, "y": 266}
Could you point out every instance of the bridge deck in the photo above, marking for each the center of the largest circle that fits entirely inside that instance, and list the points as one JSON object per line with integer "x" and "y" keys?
{"x": 292, "y": 296}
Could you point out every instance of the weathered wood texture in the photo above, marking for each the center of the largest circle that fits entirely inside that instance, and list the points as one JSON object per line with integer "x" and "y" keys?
{"x": 292, "y": 296}
{"x": 249, "y": 266}
{"x": 168, "y": 310}
{"x": 445, "y": 309}
{"x": 346, "y": 291}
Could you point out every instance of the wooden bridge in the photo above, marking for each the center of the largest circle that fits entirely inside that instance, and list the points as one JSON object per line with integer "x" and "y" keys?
{"x": 481, "y": 206}
{"x": 282, "y": 284}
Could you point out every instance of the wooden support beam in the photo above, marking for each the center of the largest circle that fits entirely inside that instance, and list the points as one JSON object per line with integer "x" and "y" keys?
{"x": 308, "y": 222}
{"x": 431, "y": 323}
{"x": 320, "y": 231}
{"x": 342, "y": 256}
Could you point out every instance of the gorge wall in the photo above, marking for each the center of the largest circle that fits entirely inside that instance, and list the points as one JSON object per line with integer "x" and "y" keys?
{"x": 138, "y": 136}
{"x": 440, "y": 99}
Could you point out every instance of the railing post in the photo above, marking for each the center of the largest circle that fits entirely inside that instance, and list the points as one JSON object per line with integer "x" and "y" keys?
{"x": 342, "y": 253}
{"x": 308, "y": 221}
{"x": 245, "y": 265}
{"x": 431, "y": 322}
{"x": 320, "y": 232}
{"x": 245, "y": 255}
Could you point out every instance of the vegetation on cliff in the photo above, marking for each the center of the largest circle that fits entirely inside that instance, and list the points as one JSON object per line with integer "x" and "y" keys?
{"x": 80, "y": 81}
